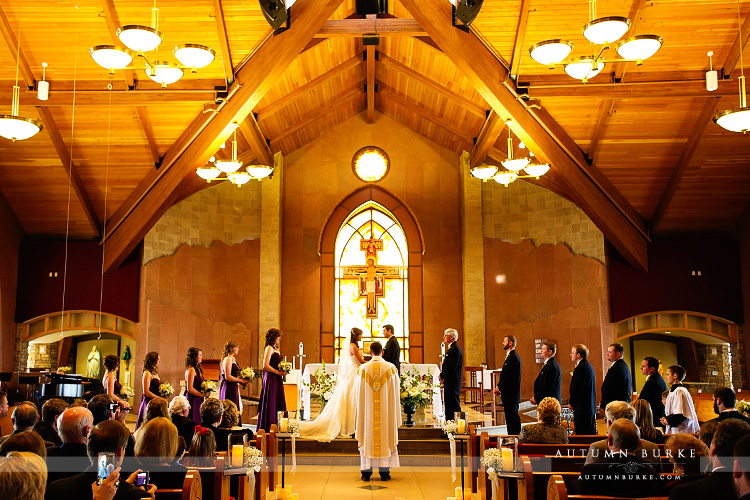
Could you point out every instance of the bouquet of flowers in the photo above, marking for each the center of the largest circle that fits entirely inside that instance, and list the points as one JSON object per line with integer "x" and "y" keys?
{"x": 743, "y": 407}
{"x": 414, "y": 390}
{"x": 285, "y": 366}
{"x": 247, "y": 373}
{"x": 127, "y": 391}
{"x": 450, "y": 427}
{"x": 493, "y": 459}
{"x": 323, "y": 389}
{"x": 207, "y": 386}
{"x": 166, "y": 390}
{"x": 253, "y": 458}
{"x": 65, "y": 369}
{"x": 293, "y": 426}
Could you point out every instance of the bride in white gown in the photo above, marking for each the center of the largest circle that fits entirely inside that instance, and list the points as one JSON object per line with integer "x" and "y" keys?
{"x": 339, "y": 416}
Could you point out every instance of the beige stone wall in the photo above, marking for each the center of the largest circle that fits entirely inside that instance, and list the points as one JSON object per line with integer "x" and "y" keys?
{"x": 525, "y": 211}
{"x": 710, "y": 362}
{"x": 220, "y": 213}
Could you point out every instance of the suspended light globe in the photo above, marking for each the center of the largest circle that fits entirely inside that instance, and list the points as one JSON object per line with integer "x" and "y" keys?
{"x": 111, "y": 57}
{"x": 606, "y": 29}
{"x": 516, "y": 164}
{"x": 537, "y": 169}
{"x": 208, "y": 173}
{"x": 484, "y": 171}
{"x": 734, "y": 120}
{"x": 259, "y": 171}
{"x": 505, "y": 178}
{"x": 239, "y": 178}
{"x": 639, "y": 47}
{"x": 194, "y": 55}
{"x": 584, "y": 68}
{"x": 164, "y": 73}
{"x": 228, "y": 166}
{"x": 18, "y": 128}
{"x": 139, "y": 38}
{"x": 550, "y": 52}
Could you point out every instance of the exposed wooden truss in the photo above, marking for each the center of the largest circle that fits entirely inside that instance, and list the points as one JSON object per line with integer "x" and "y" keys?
{"x": 226, "y": 54}
{"x": 148, "y": 129}
{"x": 518, "y": 44}
{"x": 489, "y": 134}
{"x": 370, "y": 55}
{"x": 375, "y": 26}
{"x": 12, "y": 41}
{"x": 606, "y": 109}
{"x": 113, "y": 23}
{"x": 256, "y": 140}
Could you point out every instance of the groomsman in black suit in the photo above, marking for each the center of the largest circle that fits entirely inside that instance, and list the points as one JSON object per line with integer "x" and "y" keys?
{"x": 509, "y": 386}
{"x": 583, "y": 392}
{"x": 453, "y": 366}
{"x": 618, "y": 384}
{"x": 392, "y": 351}
{"x": 547, "y": 383}
{"x": 653, "y": 388}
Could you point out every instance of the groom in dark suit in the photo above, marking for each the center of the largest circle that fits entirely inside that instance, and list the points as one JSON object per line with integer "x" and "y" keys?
{"x": 392, "y": 351}
{"x": 453, "y": 366}
{"x": 509, "y": 386}
{"x": 547, "y": 383}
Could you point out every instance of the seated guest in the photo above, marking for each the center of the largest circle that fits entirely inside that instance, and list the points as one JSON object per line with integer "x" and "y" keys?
{"x": 623, "y": 437}
{"x": 100, "y": 408}
{"x": 548, "y": 430}
{"x": 231, "y": 416}
{"x": 741, "y": 468}
{"x": 647, "y": 451}
{"x": 706, "y": 435}
{"x": 179, "y": 411}
{"x": 79, "y": 403}
{"x": 24, "y": 418}
{"x": 718, "y": 485}
{"x": 108, "y": 436}
{"x": 73, "y": 425}
{"x": 686, "y": 453}
{"x": 24, "y": 441}
{"x": 47, "y": 426}
{"x": 156, "y": 407}
{"x": 202, "y": 449}
{"x": 155, "y": 450}
{"x": 644, "y": 419}
{"x": 679, "y": 412}
{"x": 724, "y": 405}
{"x": 181, "y": 449}
{"x": 211, "y": 412}
{"x": 23, "y": 476}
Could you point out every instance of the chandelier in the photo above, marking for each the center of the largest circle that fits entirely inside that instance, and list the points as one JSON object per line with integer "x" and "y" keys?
{"x": 600, "y": 31}
{"x": 142, "y": 39}
{"x": 231, "y": 169}
{"x": 737, "y": 119}
{"x": 512, "y": 166}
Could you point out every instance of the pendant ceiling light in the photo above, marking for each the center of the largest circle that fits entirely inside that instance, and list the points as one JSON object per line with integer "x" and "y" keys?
{"x": 510, "y": 163}
{"x": 230, "y": 166}
{"x": 600, "y": 31}
{"x": 484, "y": 171}
{"x": 164, "y": 73}
{"x": 232, "y": 169}
{"x": 737, "y": 119}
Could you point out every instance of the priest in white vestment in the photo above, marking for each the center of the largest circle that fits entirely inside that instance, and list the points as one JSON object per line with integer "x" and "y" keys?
{"x": 378, "y": 415}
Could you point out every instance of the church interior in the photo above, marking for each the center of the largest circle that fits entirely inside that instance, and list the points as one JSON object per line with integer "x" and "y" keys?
{"x": 379, "y": 183}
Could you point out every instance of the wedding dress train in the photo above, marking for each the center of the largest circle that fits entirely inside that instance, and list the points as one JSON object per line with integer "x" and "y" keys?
{"x": 339, "y": 417}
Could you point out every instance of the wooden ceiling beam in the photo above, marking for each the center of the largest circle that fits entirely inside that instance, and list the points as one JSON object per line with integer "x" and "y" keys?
{"x": 376, "y": 26}
{"x": 632, "y": 90}
{"x": 605, "y": 110}
{"x": 371, "y": 54}
{"x": 266, "y": 111}
{"x": 119, "y": 98}
{"x": 62, "y": 152}
{"x": 256, "y": 140}
{"x": 489, "y": 77}
{"x": 113, "y": 24}
{"x": 226, "y": 54}
{"x": 405, "y": 70}
{"x": 148, "y": 129}
{"x": 12, "y": 41}
{"x": 636, "y": 16}
{"x": 518, "y": 44}
{"x": 487, "y": 138}
{"x": 734, "y": 53}
{"x": 709, "y": 108}
{"x": 252, "y": 81}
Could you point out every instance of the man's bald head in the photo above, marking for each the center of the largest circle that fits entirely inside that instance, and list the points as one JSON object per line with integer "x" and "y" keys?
{"x": 623, "y": 435}
{"x": 74, "y": 425}
{"x": 25, "y": 416}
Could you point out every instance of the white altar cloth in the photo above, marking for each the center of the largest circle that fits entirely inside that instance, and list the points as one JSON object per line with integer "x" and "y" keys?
{"x": 437, "y": 400}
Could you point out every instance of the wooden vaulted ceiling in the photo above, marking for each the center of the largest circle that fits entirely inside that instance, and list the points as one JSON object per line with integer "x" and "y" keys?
{"x": 635, "y": 148}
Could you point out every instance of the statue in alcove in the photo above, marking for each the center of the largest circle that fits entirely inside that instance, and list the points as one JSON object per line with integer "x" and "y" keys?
{"x": 93, "y": 362}
{"x": 126, "y": 356}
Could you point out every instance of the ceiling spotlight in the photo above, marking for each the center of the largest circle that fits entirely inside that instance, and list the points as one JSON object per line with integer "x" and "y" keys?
{"x": 277, "y": 13}
{"x": 464, "y": 12}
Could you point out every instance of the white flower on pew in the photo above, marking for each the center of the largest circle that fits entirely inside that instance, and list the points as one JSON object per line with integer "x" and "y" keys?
{"x": 253, "y": 458}
{"x": 493, "y": 460}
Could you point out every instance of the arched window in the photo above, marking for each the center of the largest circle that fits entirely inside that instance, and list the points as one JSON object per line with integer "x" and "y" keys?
{"x": 371, "y": 259}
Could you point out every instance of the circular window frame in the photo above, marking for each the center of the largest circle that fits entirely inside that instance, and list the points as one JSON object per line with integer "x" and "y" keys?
{"x": 360, "y": 152}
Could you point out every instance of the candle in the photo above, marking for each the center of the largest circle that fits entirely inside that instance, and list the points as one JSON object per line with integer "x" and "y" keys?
{"x": 294, "y": 496}
{"x": 461, "y": 426}
{"x": 284, "y": 424}
{"x": 442, "y": 348}
{"x": 507, "y": 455}
{"x": 463, "y": 494}
{"x": 301, "y": 349}
{"x": 459, "y": 492}
{"x": 289, "y": 491}
{"x": 237, "y": 455}
{"x": 280, "y": 493}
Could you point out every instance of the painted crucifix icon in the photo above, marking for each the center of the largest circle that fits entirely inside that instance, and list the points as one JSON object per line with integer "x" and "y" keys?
{"x": 371, "y": 276}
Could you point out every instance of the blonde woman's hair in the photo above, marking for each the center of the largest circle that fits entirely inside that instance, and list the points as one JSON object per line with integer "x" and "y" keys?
{"x": 228, "y": 348}
{"x": 23, "y": 475}
{"x": 158, "y": 439}
{"x": 549, "y": 410}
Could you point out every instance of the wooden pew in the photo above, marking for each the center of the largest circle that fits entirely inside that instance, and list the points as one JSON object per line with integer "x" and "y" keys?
{"x": 191, "y": 489}
{"x": 534, "y": 484}
{"x": 474, "y": 457}
{"x": 262, "y": 478}
{"x": 557, "y": 490}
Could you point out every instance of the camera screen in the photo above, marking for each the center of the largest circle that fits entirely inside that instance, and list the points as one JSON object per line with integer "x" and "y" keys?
{"x": 105, "y": 466}
{"x": 142, "y": 479}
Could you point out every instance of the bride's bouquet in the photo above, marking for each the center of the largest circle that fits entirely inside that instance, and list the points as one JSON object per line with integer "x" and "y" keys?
{"x": 324, "y": 386}
{"x": 166, "y": 390}
{"x": 207, "y": 387}
{"x": 416, "y": 391}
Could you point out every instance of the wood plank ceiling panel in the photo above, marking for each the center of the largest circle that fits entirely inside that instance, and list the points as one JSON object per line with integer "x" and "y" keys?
{"x": 497, "y": 22}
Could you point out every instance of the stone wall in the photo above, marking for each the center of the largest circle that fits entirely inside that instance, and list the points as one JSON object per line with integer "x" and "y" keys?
{"x": 713, "y": 358}
{"x": 42, "y": 356}
{"x": 739, "y": 370}
{"x": 21, "y": 357}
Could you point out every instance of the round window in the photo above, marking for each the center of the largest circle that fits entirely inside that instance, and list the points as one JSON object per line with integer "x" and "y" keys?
{"x": 371, "y": 164}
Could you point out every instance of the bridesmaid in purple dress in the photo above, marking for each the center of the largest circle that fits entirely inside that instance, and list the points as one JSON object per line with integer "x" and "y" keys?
{"x": 272, "y": 394}
{"x": 193, "y": 381}
{"x": 150, "y": 383}
{"x": 229, "y": 383}
{"x": 111, "y": 385}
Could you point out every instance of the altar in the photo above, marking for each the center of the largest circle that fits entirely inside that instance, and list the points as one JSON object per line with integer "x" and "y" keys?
{"x": 434, "y": 371}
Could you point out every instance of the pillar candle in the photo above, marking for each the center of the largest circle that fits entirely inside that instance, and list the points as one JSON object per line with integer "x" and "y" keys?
{"x": 284, "y": 424}
{"x": 461, "y": 426}
{"x": 463, "y": 494}
{"x": 442, "y": 348}
{"x": 294, "y": 496}
{"x": 507, "y": 455}
{"x": 237, "y": 455}
{"x": 288, "y": 490}
{"x": 301, "y": 349}
{"x": 280, "y": 493}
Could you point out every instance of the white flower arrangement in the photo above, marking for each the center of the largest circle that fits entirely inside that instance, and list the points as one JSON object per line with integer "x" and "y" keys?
{"x": 493, "y": 459}
{"x": 285, "y": 366}
{"x": 65, "y": 369}
{"x": 293, "y": 426}
{"x": 324, "y": 386}
{"x": 207, "y": 386}
{"x": 247, "y": 373}
{"x": 166, "y": 390}
{"x": 450, "y": 427}
{"x": 415, "y": 390}
{"x": 253, "y": 458}
{"x": 127, "y": 391}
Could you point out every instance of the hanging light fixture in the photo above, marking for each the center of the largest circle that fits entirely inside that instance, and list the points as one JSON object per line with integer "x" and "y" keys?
{"x": 510, "y": 163}
{"x": 13, "y": 126}
{"x": 140, "y": 40}
{"x": 484, "y": 171}
{"x": 232, "y": 167}
{"x": 600, "y": 31}
{"x": 737, "y": 119}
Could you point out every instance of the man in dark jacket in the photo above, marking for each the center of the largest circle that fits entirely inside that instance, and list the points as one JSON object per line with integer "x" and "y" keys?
{"x": 451, "y": 373}
{"x": 583, "y": 392}
{"x": 618, "y": 384}
{"x": 547, "y": 383}
{"x": 179, "y": 409}
{"x": 70, "y": 458}
{"x": 47, "y": 426}
{"x": 653, "y": 388}
{"x": 509, "y": 386}
{"x": 392, "y": 351}
{"x": 724, "y": 405}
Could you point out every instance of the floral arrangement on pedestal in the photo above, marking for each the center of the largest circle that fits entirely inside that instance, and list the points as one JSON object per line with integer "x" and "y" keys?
{"x": 293, "y": 426}
{"x": 416, "y": 391}
{"x": 127, "y": 391}
{"x": 166, "y": 390}
{"x": 253, "y": 458}
{"x": 324, "y": 386}
{"x": 450, "y": 427}
{"x": 207, "y": 387}
{"x": 493, "y": 460}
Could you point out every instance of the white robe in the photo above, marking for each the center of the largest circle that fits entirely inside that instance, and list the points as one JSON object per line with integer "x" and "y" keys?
{"x": 680, "y": 401}
{"x": 378, "y": 414}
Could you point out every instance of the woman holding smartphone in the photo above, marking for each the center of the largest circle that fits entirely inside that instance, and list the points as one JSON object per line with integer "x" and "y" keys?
{"x": 149, "y": 383}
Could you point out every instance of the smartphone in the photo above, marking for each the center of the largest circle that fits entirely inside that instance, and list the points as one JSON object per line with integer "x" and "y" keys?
{"x": 142, "y": 480}
{"x": 105, "y": 465}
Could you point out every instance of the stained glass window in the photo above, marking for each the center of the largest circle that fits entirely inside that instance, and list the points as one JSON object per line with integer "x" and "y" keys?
{"x": 371, "y": 221}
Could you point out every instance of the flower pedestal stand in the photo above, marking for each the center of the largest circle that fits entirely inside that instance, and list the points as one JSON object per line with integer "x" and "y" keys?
{"x": 409, "y": 410}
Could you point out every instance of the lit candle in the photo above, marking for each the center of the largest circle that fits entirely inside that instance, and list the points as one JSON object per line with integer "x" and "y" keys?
{"x": 442, "y": 348}
{"x": 237, "y": 455}
{"x": 301, "y": 349}
{"x": 467, "y": 494}
{"x": 289, "y": 491}
{"x": 463, "y": 494}
{"x": 459, "y": 492}
{"x": 284, "y": 424}
{"x": 507, "y": 454}
{"x": 461, "y": 426}
{"x": 294, "y": 496}
{"x": 280, "y": 493}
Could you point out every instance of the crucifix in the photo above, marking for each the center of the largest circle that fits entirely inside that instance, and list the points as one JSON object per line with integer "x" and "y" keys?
{"x": 371, "y": 276}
